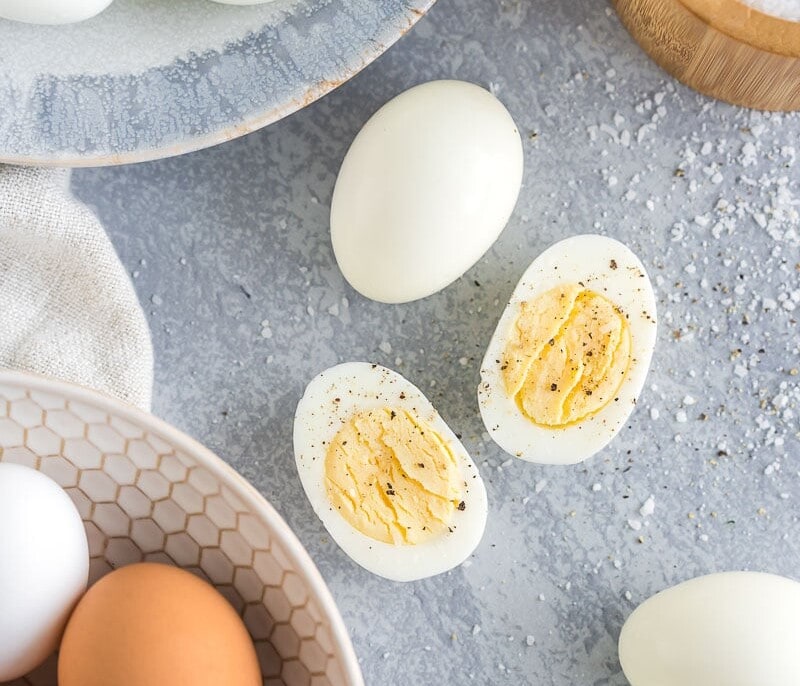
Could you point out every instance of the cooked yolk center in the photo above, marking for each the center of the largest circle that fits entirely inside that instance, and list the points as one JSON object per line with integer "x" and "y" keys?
{"x": 567, "y": 355}
{"x": 392, "y": 477}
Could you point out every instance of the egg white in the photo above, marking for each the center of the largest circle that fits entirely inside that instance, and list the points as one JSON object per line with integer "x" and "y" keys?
{"x": 582, "y": 259}
{"x": 329, "y": 401}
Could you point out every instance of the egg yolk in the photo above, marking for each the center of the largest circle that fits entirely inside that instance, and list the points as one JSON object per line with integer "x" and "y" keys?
{"x": 392, "y": 477}
{"x": 567, "y": 355}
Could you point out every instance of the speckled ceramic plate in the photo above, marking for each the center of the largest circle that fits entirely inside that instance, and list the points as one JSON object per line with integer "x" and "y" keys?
{"x": 153, "y": 78}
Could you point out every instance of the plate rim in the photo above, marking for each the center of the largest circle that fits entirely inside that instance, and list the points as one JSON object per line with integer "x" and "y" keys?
{"x": 412, "y": 11}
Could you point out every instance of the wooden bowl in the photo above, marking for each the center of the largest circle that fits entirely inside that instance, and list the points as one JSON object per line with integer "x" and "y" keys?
{"x": 722, "y": 48}
{"x": 147, "y": 492}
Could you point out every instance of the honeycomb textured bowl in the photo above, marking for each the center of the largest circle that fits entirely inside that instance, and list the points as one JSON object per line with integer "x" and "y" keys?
{"x": 147, "y": 492}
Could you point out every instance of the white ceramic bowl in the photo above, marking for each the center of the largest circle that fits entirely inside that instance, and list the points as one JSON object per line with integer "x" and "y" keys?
{"x": 148, "y": 492}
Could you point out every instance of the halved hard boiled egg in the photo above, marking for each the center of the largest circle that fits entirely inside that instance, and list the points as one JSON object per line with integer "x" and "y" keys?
{"x": 390, "y": 481}
{"x": 570, "y": 354}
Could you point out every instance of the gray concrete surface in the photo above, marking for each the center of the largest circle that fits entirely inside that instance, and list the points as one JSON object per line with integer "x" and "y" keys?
{"x": 230, "y": 253}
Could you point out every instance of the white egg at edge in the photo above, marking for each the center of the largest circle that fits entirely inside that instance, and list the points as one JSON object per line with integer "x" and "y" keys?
{"x": 44, "y": 566}
{"x": 586, "y": 259}
{"x": 724, "y": 629}
{"x": 363, "y": 386}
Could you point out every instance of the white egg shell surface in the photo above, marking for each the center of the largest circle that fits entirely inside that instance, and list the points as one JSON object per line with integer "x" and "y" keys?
{"x": 425, "y": 189}
{"x": 51, "y": 11}
{"x": 329, "y": 401}
{"x": 728, "y": 629}
{"x": 44, "y": 567}
{"x": 584, "y": 259}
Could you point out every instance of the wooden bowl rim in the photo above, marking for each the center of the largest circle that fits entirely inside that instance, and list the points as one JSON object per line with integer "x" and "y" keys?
{"x": 749, "y": 25}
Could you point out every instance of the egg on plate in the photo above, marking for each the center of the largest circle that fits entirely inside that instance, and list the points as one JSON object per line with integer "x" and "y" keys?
{"x": 570, "y": 354}
{"x": 390, "y": 481}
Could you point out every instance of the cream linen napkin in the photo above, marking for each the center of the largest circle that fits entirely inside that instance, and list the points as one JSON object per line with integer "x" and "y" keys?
{"x": 67, "y": 306}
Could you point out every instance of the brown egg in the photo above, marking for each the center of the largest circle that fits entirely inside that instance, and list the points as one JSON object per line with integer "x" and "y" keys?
{"x": 154, "y": 625}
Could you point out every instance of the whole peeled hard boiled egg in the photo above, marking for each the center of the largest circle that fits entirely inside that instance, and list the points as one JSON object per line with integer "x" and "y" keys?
{"x": 388, "y": 478}
{"x": 44, "y": 567}
{"x": 51, "y": 11}
{"x": 151, "y": 624}
{"x": 570, "y": 354}
{"x": 425, "y": 189}
{"x": 729, "y": 629}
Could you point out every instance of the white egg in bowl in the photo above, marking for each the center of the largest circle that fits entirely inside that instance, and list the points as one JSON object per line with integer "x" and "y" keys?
{"x": 389, "y": 479}
{"x": 570, "y": 354}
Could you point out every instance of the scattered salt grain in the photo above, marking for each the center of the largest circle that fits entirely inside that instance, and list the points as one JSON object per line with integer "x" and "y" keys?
{"x": 648, "y": 507}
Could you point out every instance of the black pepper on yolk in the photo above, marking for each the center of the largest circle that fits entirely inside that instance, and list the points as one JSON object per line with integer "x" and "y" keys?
{"x": 392, "y": 477}
{"x": 567, "y": 355}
